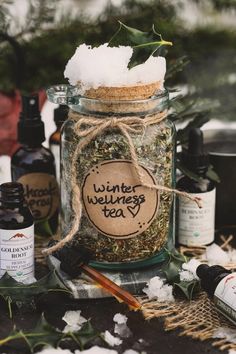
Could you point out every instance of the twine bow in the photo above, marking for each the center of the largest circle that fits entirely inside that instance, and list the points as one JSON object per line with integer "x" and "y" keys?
{"x": 88, "y": 128}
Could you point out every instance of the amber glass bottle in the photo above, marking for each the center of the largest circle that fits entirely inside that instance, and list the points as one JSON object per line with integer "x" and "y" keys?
{"x": 60, "y": 115}
{"x": 196, "y": 226}
{"x": 16, "y": 233}
{"x": 33, "y": 165}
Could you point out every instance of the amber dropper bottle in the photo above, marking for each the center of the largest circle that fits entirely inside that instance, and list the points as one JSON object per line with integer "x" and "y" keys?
{"x": 220, "y": 285}
{"x": 33, "y": 165}
{"x": 196, "y": 226}
{"x": 16, "y": 233}
{"x": 60, "y": 115}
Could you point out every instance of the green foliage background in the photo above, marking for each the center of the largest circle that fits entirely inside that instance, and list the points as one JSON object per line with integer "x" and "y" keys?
{"x": 37, "y": 54}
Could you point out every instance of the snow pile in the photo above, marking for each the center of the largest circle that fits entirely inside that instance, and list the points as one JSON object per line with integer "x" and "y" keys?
{"x": 121, "y": 327}
{"x": 113, "y": 68}
{"x": 51, "y": 350}
{"x": 112, "y": 340}
{"x": 74, "y": 321}
{"x": 93, "y": 350}
{"x": 188, "y": 272}
{"x": 215, "y": 255}
{"x": 156, "y": 289}
{"x": 225, "y": 333}
{"x": 96, "y": 350}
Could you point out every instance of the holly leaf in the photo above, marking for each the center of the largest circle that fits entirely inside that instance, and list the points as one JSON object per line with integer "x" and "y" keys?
{"x": 187, "y": 172}
{"x": 198, "y": 119}
{"x": 85, "y": 335}
{"x": 212, "y": 175}
{"x": 45, "y": 334}
{"x": 173, "y": 266}
{"x": 43, "y": 228}
{"x": 144, "y": 44}
{"x": 14, "y": 292}
{"x": 187, "y": 288}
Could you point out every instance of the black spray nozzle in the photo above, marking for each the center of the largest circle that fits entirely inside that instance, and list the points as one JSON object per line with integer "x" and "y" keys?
{"x": 30, "y": 108}
{"x": 194, "y": 157}
{"x": 30, "y": 126}
{"x": 71, "y": 258}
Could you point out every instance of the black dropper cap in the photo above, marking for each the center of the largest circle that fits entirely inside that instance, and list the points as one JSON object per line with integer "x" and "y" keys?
{"x": 30, "y": 125}
{"x": 194, "y": 157}
{"x": 60, "y": 115}
{"x": 11, "y": 193}
{"x": 210, "y": 277}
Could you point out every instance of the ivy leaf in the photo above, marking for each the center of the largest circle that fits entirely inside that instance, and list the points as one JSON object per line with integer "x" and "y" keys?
{"x": 17, "y": 293}
{"x": 187, "y": 288}
{"x": 144, "y": 44}
{"x": 45, "y": 334}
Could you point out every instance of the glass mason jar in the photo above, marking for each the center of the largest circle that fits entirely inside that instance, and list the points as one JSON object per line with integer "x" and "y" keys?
{"x": 124, "y": 224}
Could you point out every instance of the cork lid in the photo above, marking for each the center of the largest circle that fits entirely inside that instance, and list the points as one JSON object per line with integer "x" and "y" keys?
{"x": 129, "y": 93}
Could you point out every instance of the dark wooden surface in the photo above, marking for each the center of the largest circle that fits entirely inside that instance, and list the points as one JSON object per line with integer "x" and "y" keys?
{"x": 155, "y": 340}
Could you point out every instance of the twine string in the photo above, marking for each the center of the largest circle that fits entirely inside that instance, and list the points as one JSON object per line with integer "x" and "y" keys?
{"x": 88, "y": 128}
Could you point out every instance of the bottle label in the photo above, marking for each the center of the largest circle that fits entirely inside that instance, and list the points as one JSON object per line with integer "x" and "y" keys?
{"x": 115, "y": 202}
{"x": 55, "y": 149}
{"x": 17, "y": 253}
{"x": 196, "y": 226}
{"x": 42, "y": 194}
{"x": 225, "y": 297}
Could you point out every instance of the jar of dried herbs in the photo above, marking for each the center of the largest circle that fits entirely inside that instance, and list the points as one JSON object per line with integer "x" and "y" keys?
{"x": 119, "y": 149}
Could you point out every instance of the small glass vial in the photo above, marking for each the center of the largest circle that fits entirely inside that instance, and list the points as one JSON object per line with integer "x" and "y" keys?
{"x": 16, "y": 233}
{"x": 196, "y": 226}
{"x": 220, "y": 285}
{"x": 60, "y": 115}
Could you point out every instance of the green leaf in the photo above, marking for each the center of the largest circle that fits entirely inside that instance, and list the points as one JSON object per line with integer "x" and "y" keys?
{"x": 85, "y": 335}
{"x": 187, "y": 172}
{"x": 43, "y": 228}
{"x": 187, "y": 288}
{"x": 45, "y": 334}
{"x": 144, "y": 44}
{"x": 212, "y": 175}
{"x": 198, "y": 120}
{"x": 17, "y": 293}
{"x": 173, "y": 266}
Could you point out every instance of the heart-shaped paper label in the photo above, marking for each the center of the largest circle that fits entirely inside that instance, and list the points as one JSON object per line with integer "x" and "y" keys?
{"x": 114, "y": 200}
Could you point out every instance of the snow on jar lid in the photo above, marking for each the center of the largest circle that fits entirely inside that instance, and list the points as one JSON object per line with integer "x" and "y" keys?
{"x": 102, "y": 73}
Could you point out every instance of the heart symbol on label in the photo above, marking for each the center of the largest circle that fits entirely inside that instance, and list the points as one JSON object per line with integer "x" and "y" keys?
{"x": 134, "y": 210}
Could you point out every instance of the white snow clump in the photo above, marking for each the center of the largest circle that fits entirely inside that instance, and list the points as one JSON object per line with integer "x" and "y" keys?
{"x": 51, "y": 350}
{"x": 112, "y": 340}
{"x": 215, "y": 255}
{"x": 121, "y": 327}
{"x": 74, "y": 321}
{"x": 108, "y": 66}
{"x": 188, "y": 272}
{"x": 119, "y": 318}
{"x": 156, "y": 289}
